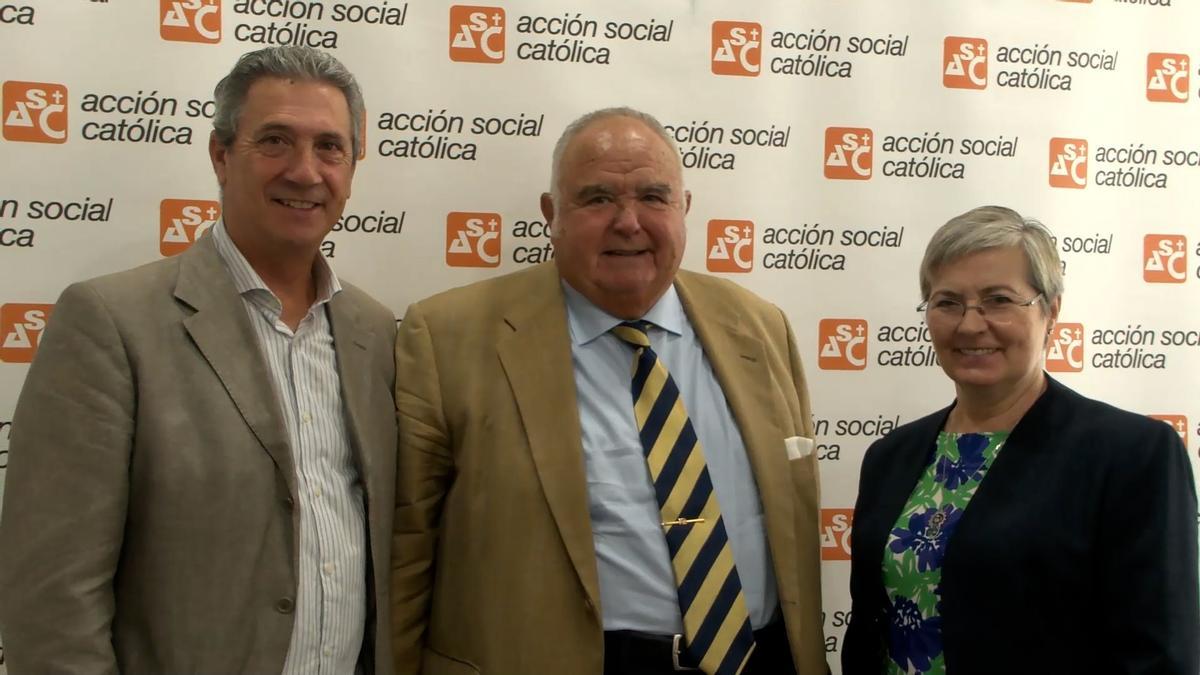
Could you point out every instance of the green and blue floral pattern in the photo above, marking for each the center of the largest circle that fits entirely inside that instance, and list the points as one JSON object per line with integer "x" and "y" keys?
{"x": 912, "y": 563}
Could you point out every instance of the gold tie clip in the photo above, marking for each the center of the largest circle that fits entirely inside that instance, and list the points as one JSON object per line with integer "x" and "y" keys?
{"x": 682, "y": 521}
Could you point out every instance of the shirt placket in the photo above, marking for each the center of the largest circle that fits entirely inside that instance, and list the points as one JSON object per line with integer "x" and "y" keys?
{"x": 318, "y": 465}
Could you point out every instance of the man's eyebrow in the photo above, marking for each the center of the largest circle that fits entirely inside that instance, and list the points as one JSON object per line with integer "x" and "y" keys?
{"x": 593, "y": 190}
{"x": 273, "y": 126}
{"x": 656, "y": 188}
{"x": 288, "y": 129}
{"x": 332, "y": 136}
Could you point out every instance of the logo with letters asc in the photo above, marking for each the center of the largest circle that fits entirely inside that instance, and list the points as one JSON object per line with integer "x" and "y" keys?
{"x": 1065, "y": 354}
{"x": 736, "y": 48}
{"x": 730, "y": 245}
{"x": 190, "y": 20}
{"x": 182, "y": 221}
{"x": 1164, "y": 259}
{"x": 848, "y": 153}
{"x": 477, "y": 34}
{"x": 473, "y": 239}
{"x": 1167, "y": 78}
{"x": 836, "y": 527}
{"x": 35, "y": 112}
{"x": 1068, "y": 163}
{"x": 1178, "y": 422}
{"x": 842, "y": 344}
{"x": 964, "y": 63}
{"x": 21, "y": 326}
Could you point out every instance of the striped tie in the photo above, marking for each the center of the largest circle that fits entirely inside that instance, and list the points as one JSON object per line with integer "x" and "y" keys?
{"x": 715, "y": 621}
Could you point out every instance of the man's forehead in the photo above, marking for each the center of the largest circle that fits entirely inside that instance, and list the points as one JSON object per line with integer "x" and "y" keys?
{"x": 613, "y": 134}
{"x": 287, "y": 103}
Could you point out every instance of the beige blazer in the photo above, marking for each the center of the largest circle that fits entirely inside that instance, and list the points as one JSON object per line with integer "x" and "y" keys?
{"x": 148, "y": 522}
{"x": 494, "y": 563}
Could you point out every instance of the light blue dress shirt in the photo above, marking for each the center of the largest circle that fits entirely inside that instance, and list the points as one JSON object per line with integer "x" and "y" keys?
{"x": 637, "y": 585}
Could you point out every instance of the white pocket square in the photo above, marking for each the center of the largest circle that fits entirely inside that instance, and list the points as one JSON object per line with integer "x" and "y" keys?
{"x": 798, "y": 447}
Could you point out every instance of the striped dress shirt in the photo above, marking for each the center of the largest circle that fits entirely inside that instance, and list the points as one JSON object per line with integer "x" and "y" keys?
{"x": 330, "y": 606}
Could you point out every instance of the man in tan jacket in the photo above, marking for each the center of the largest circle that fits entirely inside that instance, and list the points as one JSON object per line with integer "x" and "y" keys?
{"x": 606, "y": 462}
{"x": 202, "y": 458}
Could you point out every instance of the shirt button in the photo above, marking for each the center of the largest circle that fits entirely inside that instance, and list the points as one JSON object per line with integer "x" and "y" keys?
{"x": 306, "y": 417}
{"x": 317, "y": 491}
{"x": 328, "y": 651}
{"x": 328, "y": 567}
{"x": 285, "y": 606}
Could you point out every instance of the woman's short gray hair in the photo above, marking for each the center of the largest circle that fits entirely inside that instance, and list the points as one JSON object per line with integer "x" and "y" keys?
{"x": 288, "y": 61}
{"x": 996, "y": 227}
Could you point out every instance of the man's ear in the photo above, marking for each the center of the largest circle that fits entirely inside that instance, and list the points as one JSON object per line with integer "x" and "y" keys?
{"x": 547, "y": 203}
{"x": 217, "y": 152}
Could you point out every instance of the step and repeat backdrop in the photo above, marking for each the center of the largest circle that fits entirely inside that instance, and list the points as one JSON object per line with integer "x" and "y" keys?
{"x": 823, "y": 142}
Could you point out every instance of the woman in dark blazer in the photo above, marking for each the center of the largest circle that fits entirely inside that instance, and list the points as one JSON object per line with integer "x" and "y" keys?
{"x": 1078, "y": 552}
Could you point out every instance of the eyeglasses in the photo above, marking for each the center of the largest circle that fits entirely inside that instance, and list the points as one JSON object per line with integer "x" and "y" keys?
{"x": 997, "y": 309}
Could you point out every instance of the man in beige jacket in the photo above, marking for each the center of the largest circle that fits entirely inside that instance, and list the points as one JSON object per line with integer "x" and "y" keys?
{"x": 544, "y": 524}
{"x": 202, "y": 457}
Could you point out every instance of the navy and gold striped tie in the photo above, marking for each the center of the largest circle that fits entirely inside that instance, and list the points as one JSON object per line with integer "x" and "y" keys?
{"x": 716, "y": 623}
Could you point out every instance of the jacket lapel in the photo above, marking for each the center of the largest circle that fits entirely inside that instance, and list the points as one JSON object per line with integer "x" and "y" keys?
{"x": 740, "y": 363}
{"x": 536, "y": 357}
{"x": 350, "y": 343}
{"x": 221, "y": 330}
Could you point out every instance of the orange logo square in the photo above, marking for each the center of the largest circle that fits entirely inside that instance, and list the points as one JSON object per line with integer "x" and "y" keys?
{"x": 1164, "y": 258}
{"x": 1178, "y": 422}
{"x": 35, "y": 112}
{"x": 964, "y": 63}
{"x": 21, "y": 326}
{"x": 736, "y": 48}
{"x": 473, "y": 239}
{"x": 477, "y": 34}
{"x": 848, "y": 153}
{"x": 730, "y": 245}
{"x": 836, "y": 526}
{"x": 842, "y": 344}
{"x": 1066, "y": 348}
{"x": 1167, "y": 78}
{"x": 182, "y": 221}
{"x": 1068, "y": 163}
{"x": 190, "y": 20}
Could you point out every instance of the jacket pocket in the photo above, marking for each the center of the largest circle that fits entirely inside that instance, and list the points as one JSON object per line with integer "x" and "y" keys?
{"x": 434, "y": 662}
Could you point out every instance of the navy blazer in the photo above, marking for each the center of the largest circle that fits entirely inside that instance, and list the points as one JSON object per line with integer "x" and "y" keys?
{"x": 1077, "y": 553}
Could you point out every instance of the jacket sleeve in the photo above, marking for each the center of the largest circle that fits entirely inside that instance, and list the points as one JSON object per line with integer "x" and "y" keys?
{"x": 1147, "y": 571}
{"x": 424, "y": 470}
{"x": 66, "y": 493}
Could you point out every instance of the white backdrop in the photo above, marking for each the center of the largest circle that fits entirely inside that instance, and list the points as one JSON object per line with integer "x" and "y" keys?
{"x": 823, "y": 140}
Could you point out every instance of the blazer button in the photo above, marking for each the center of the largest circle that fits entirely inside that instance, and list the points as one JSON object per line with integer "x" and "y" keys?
{"x": 285, "y": 606}
{"x": 288, "y": 502}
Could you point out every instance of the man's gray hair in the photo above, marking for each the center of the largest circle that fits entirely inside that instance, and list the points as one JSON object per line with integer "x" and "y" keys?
{"x": 574, "y": 128}
{"x": 996, "y": 227}
{"x": 289, "y": 61}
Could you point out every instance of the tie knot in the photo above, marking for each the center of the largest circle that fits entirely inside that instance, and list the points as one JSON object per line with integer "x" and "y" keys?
{"x": 633, "y": 332}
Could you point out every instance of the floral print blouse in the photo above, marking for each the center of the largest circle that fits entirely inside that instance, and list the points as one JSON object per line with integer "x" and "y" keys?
{"x": 912, "y": 563}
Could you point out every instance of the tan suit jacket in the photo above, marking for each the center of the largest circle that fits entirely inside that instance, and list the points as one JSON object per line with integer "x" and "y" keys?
{"x": 495, "y": 567}
{"x": 148, "y": 522}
